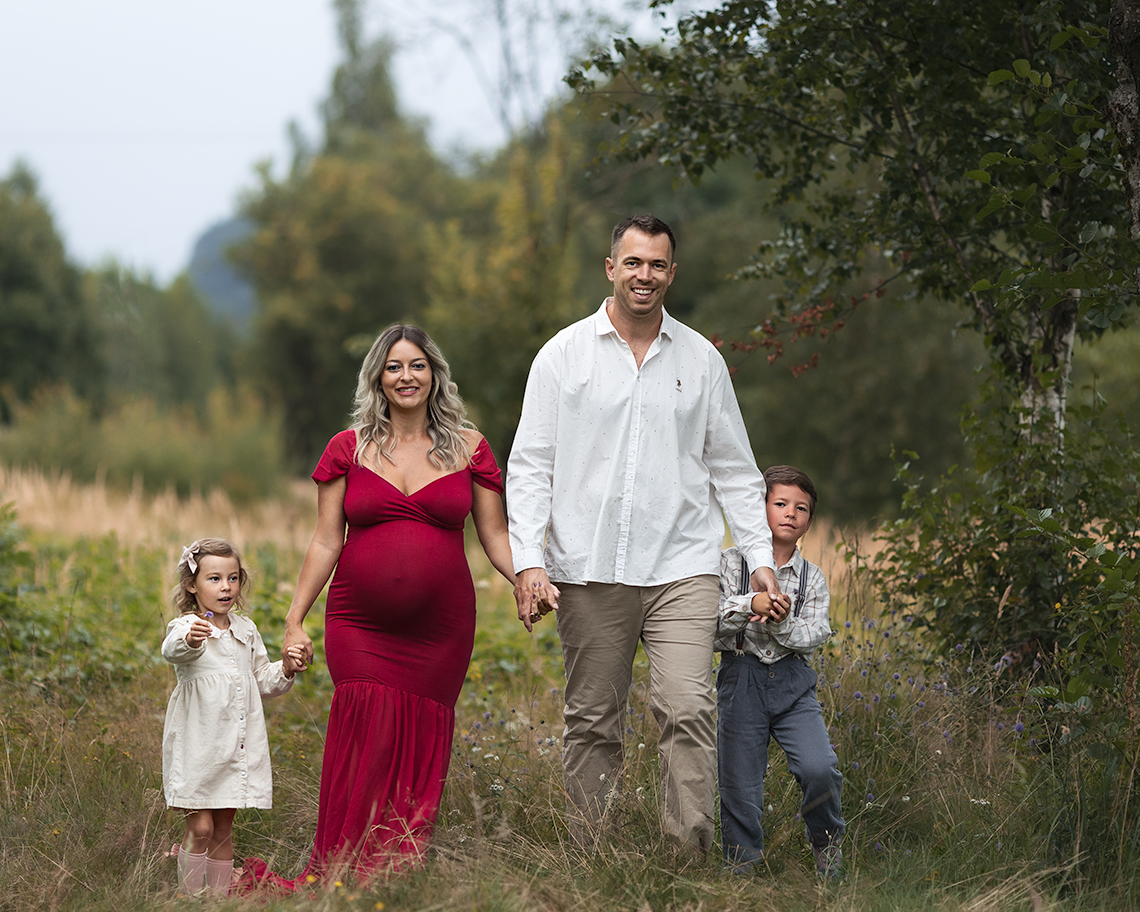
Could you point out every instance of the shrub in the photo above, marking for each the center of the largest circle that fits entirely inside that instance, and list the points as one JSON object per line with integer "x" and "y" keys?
{"x": 237, "y": 446}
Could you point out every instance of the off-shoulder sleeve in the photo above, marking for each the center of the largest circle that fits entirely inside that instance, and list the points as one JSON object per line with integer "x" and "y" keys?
{"x": 484, "y": 470}
{"x": 337, "y": 457}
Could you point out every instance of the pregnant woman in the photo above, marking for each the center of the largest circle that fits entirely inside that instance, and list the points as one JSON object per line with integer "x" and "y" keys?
{"x": 400, "y": 614}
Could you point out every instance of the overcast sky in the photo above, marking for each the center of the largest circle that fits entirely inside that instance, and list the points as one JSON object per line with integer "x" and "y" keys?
{"x": 143, "y": 119}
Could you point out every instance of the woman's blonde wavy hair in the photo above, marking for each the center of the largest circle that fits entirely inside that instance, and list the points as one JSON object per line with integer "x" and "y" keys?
{"x": 446, "y": 414}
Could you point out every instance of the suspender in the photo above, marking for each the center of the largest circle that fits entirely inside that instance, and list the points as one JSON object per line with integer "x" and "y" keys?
{"x": 745, "y": 587}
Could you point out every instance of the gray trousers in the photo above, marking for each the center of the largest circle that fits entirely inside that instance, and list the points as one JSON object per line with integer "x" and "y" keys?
{"x": 755, "y": 703}
{"x": 600, "y": 626}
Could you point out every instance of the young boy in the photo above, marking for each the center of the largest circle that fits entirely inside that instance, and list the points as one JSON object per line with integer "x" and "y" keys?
{"x": 766, "y": 687}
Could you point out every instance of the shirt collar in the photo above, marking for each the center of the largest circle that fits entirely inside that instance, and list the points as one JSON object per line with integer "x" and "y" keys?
{"x": 241, "y": 628}
{"x": 603, "y": 326}
{"x": 795, "y": 561}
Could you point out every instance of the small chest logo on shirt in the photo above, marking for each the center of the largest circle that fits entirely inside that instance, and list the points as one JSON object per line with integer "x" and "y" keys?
{"x": 678, "y": 383}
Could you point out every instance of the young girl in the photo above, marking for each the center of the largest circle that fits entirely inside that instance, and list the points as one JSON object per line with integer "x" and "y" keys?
{"x": 215, "y": 753}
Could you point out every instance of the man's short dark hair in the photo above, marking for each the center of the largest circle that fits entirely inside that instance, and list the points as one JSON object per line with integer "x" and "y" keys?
{"x": 790, "y": 475}
{"x": 649, "y": 224}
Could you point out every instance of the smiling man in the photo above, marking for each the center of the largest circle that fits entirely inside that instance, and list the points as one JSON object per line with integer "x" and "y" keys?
{"x": 629, "y": 447}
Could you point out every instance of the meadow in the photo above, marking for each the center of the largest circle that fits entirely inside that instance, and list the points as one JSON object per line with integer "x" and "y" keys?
{"x": 959, "y": 790}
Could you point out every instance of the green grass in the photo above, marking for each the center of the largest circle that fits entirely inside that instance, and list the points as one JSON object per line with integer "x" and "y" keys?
{"x": 958, "y": 794}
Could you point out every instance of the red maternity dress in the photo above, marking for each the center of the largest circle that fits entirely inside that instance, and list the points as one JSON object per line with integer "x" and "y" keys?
{"x": 399, "y": 627}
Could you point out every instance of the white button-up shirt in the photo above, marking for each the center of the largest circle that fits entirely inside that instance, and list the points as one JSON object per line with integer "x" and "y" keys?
{"x": 617, "y": 469}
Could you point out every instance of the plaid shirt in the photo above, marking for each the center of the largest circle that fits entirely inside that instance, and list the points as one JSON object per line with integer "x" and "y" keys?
{"x": 798, "y": 633}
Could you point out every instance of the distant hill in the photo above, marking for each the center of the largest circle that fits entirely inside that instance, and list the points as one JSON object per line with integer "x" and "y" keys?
{"x": 227, "y": 292}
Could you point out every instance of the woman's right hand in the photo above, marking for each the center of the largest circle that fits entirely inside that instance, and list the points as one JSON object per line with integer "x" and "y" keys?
{"x": 295, "y": 636}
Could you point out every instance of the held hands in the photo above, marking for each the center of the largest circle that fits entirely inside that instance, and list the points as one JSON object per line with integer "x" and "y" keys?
{"x": 297, "y": 648}
{"x": 535, "y": 595}
{"x": 769, "y": 603}
{"x": 293, "y": 659}
{"x": 767, "y": 607}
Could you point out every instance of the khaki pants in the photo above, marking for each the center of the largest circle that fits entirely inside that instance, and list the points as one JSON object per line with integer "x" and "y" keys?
{"x": 600, "y": 625}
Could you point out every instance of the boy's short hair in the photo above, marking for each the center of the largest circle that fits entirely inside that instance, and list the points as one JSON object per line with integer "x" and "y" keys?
{"x": 790, "y": 475}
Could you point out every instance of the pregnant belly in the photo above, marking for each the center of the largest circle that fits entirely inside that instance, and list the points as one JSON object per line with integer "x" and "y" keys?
{"x": 401, "y": 610}
{"x": 397, "y": 576}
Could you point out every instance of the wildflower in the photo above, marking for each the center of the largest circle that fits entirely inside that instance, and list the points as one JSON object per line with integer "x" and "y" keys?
{"x": 870, "y": 797}
{"x": 958, "y": 647}
{"x": 878, "y": 847}
{"x": 978, "y": 801}
{"x": 641, "y": 746}
{"x": 486, "y": 715}
{"x": 875, "y": 698}
{"x": 858, "y": 695}
{"x": 905, "y": 800}
{"x": 1018, "y": 727}
{"x": 855, "y": 765}
{"x": 848, "y": 625}
{"x": 629, "y": 729}
{"x": 896, "y": 676}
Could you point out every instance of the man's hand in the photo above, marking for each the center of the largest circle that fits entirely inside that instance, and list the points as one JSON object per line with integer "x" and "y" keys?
{"x": 764, "y": 581}
{"x": 535, "y": 595}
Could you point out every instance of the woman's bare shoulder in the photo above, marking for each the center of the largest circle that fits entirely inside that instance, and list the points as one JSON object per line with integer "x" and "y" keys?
{"x": 473, "y": 438}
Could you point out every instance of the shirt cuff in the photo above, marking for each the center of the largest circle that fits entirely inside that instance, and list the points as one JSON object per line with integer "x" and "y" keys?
{"x": 528, "y": 558}
{"x": 761, "y": 557}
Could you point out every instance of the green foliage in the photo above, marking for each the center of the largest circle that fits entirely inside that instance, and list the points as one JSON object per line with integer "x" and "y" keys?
{"x": 13, "y": 560}
{"x": 959, "y": 785}
{"x": 161, "y": 343}
{"x": 821, "y": 96}
{"x": 234, "y": 444}
{"x": 340, "y": 247}
{"x": 958, "y": 558}
{"x": 47, "y": 334}
{"x": 895, "y": 378}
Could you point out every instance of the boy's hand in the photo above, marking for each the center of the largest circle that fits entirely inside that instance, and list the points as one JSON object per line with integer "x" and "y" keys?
{"x": 766, "y": 607}
{"x": 198, "y": 633}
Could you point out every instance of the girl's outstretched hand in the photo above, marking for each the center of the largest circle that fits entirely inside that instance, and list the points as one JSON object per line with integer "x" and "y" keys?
{"x": 198, "y": 633}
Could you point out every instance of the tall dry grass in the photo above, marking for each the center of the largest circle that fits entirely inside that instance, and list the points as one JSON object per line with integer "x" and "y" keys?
{"x": 54, "y": 504}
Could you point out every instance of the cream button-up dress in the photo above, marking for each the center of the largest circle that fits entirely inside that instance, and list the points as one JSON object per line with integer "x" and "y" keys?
{"x": 215, "y": 752}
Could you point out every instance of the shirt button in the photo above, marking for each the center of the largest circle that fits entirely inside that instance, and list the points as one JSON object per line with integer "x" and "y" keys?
{"x": 771, "y": 674}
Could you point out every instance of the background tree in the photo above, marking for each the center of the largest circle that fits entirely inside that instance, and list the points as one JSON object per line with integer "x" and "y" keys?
{"x": 47, "y": 332}
{"x": 1006, "y": 202}
{"x": 340, "y": 245}
{"x": 812, "y": 90}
